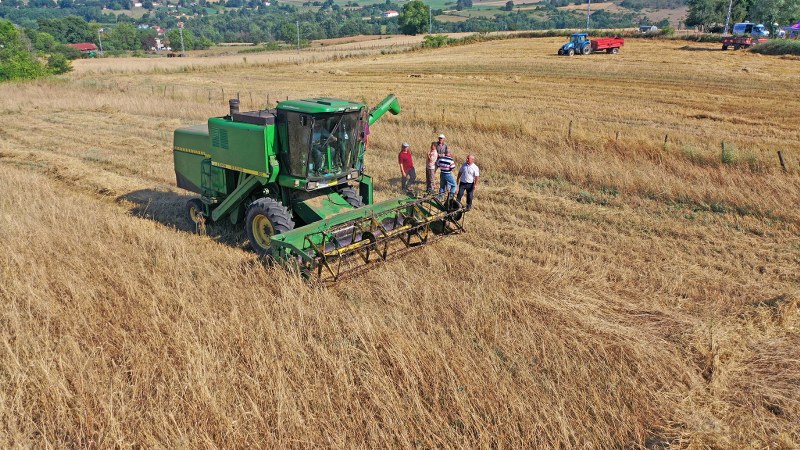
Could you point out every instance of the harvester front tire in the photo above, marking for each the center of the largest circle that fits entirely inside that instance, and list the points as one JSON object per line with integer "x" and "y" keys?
{"x": 265, "y": 218}
{"x": 195, "y": 211}
{"x": 351, "y": 196}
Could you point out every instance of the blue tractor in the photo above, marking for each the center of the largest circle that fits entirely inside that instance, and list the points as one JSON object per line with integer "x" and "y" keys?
{"x": 578, "y": 43}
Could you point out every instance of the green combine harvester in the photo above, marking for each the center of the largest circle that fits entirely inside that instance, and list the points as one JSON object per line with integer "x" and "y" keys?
{"x": 295, "y": 176}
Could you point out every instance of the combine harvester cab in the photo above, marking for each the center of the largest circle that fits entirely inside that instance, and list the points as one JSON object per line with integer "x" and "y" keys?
{"x": 295, "y": 176}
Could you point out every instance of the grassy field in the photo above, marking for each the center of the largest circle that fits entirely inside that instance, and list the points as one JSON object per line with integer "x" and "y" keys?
{"x": 614, "y": 288}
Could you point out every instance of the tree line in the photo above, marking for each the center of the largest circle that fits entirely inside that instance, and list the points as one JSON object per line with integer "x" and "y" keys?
{"x": 27, "y": 53}
{"x": 710, "y": 15}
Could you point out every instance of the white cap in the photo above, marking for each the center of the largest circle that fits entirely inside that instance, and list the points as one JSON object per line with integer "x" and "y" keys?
{"x": 405, "y": 145}
{"x": 441, "y": 136}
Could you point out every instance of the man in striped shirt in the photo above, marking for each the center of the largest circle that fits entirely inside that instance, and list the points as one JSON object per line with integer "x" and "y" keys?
{"x": 446, "y": 164}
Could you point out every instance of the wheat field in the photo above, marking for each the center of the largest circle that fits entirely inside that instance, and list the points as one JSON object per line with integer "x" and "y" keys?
{"x": 629, "y": 275}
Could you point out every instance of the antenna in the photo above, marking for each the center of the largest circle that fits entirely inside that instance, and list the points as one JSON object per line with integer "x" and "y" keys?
{"x": 588, "y": 13}
{"x": 728, "y": 18}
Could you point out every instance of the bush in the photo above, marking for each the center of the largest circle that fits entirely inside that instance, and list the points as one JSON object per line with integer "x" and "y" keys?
{"x": 436, "y": 41}
{"x": 69, "y": 52}
{"x": 778, "y": 47}
{"x": 19, "y": 65}
{"x": 667, "y": 31}
{"x": 728, "y": 155}
{"x": 58, "y": 64}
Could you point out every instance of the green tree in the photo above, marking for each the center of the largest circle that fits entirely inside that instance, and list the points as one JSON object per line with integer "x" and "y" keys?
{"x": 189, "y": 40}
{"x": 702, "y": 13}
{"x": 122, "y": 37}
{"x": 509, "y": 5}
{"x": 58, "y": 64}
{"x": 414, "y": 17}
{"x": 16, "y": 62}
{"x": 68, "y": 30}
{"x": 770, "y": 12}
{"x": 711, "y": 14}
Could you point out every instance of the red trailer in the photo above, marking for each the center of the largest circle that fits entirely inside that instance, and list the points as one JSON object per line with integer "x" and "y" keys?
{"x": 738, "y": 42}
{"x": 580, "y": 43}
{"x": 610, "y": 45}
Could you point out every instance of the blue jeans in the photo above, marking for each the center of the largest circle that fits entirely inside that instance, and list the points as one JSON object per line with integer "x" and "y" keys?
{"x": 447, "y": 182}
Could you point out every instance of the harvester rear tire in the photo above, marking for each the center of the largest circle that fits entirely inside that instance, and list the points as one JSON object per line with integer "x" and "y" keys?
{"x": 571, "y": 52}
{"x": 195, "y": 211}
{"x": 265, "y": 218}
{"x": 351, "y": 196}
{"x": 586, "y": 49}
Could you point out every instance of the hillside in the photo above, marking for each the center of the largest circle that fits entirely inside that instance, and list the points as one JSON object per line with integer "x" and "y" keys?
{"x": 626, "y": 284}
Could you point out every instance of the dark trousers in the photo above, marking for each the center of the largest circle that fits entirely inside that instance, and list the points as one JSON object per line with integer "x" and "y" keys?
{"x": 409, "y": 179}
{"x": 429, "y": 176}
{"x": 470, "y": 190}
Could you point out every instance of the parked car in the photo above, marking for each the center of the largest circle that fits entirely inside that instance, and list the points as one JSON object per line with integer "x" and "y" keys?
{"x": 750, "y": 29}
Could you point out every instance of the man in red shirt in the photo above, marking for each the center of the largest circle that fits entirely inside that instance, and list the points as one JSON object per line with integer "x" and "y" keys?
{"x": 406, "y": 167}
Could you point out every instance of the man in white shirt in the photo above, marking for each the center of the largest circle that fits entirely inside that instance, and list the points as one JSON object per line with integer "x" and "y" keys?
{"x": 430, "y": 168}
{"x": 468, "y": 176}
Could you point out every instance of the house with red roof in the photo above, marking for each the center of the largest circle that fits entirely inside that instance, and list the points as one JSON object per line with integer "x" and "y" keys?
{"x": 84, "y": 47}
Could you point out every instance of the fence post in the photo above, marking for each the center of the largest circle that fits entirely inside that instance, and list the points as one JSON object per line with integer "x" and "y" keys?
{"x": 783, "y": 163}
{"x": 616, "y": 139}
{"x": 569, "y": 133}
{"x": 666, "y": 139}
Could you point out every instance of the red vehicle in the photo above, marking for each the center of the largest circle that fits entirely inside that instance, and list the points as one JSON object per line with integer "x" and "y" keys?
{"x": 738, "y": 42}
{"x": 580, "y": 43}
{"x": 610, "y": 45}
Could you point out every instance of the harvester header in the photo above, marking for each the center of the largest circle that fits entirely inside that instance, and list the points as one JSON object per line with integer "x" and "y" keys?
{"x": 295, "y": 176}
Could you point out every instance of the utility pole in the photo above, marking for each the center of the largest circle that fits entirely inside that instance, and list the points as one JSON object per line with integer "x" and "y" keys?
{"x": 298, "y": 37}
{"x": 588, "y": 13}
{"x": 100, "y": 40}
{"x": 183, "y": 48}
{"x": 728, "y": 18}
{"x": 430, "y": 20}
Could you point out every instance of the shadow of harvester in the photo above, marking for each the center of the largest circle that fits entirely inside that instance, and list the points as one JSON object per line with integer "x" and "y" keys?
{"x": 169, "y": 208}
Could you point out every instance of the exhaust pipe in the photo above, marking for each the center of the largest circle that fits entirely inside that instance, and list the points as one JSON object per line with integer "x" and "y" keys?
{"x": 234, "y": 104}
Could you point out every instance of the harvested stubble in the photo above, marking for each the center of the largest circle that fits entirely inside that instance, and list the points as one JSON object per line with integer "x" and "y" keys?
{"x": 608, "y": 293}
